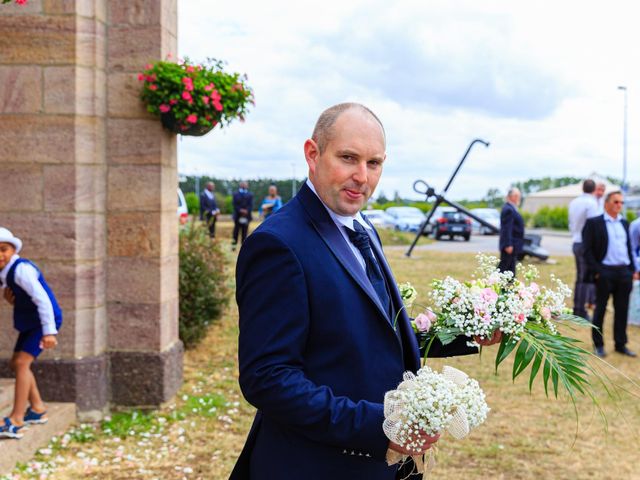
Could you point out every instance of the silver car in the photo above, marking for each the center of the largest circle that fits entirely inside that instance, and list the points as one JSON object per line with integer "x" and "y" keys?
{"x": 489, "y": 215}
{"x": 379, "y": 218}
{"x": 406, "y": 219}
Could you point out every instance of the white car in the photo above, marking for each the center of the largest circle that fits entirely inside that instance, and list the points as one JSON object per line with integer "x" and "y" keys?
{"x": 379, "y": 218}
{"x": 183, "y": 211}
{"x": 406, "y": 219}
{"x": 489, "y": 215}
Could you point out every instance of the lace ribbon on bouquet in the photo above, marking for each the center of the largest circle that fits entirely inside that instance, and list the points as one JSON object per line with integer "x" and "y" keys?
{"x": 395, "y": 413}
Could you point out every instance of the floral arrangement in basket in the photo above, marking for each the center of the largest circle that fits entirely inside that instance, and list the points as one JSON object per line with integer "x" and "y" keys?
{"x": 192, "y": 99}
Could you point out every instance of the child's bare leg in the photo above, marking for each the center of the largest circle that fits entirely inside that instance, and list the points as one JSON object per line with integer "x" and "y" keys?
{"x": 37, "y": 405}
{"x": 21, "y": 362}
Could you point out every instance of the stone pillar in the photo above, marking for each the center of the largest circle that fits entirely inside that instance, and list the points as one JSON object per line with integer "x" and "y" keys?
{"x": 88, "y": 182}
{"x": 142, "y": 248}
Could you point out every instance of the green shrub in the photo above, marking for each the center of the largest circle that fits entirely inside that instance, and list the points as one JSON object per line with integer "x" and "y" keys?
{"x": 551, "y": 217}
{"x": 631, "y": 216}
{"x": 528, "y": 218}
{"x": 204, "y": 289}
{"x": 193, "y": 203}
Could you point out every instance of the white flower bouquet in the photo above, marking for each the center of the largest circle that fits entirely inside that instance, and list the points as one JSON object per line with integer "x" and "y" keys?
{"x": 432, "y": 403}
{"x": 524, "y": 313}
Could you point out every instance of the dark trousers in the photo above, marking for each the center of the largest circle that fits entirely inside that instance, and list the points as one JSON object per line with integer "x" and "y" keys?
{"x": 508, "y": 262}
{"x": 583, "y": 292}
{"x": 211, "y": 224}
{"x": 616, "y": 281}
{"x": 241, "y": 228}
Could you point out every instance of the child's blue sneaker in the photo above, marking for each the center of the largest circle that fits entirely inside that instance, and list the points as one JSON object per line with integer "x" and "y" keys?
{"x": 9, "y": 430}
{"x": 34, "y": 418}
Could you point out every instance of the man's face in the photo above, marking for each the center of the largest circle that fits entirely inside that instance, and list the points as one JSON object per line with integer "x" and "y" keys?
{"x": 273, "y": 191}
{"x": 211, "y": 187}
{"x": 599, "y": 192}
{"x": 515, "y": 198}
{"x": 346, "y": 174}
{"x": 7, "y": 251}
{"x": 244, "y": 185}
{"x": 613, "y": 206}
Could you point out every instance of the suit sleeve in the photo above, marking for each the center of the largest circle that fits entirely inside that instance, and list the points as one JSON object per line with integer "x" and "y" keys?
{"x": 274, "y": 327}
{"x": 506, "y": 228}
{"x": 588, "y": 245}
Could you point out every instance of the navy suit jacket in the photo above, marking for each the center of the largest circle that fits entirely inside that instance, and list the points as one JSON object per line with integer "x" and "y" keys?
{"x": 242, "y": 200}
{"x": 511, "y": 228}
{"x": 317, "y": 351}
{"x": 207, "y": 204}
{"x": 595, "y": 242}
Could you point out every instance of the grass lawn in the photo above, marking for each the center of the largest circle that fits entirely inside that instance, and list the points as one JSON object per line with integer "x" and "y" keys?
{"x": 200, "y": 434}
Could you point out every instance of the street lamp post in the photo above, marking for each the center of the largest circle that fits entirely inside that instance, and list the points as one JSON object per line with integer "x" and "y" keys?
{"x": 624, "y": 142}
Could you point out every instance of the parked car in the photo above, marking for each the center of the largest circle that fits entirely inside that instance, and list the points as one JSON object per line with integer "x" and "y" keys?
{"x": 447, "y": 221}
{"x": 406, "y": 219}
{"x": 183, "y": 211}
{"x": 489, "y": 215}
{"x": 379, "y": 218}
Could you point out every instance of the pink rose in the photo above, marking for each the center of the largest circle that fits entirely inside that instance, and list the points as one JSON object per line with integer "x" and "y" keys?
{"x": 489, "y": 295}
{"x": 186, "y": 96}
{"x": 205, "y": 100}
{"x": 153, "y": 87}
{"x": 164, "y": 108}
{"x": 423, "y": 321}
{"x": 217, "y": 105}
{"x": 535, "y": 289}
{"x": 519, "y": 317}
{"x": 192, "y": 118}
{"x": 215, "y": 96}
{"x": 545, "y": 312}
{"x": 141, "y": 76}
{"x": 188, "y": 83}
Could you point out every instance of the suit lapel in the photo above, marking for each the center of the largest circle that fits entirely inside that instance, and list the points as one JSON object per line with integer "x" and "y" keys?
{"x": 334, "y": 240}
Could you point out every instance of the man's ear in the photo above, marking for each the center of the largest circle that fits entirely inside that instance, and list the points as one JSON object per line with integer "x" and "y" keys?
{"x": 311, "y": 154}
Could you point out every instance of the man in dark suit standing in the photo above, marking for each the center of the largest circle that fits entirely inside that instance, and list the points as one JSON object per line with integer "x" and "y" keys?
{"x": 511, "y": 232}
{"x": 209, "y": 208}
{"x": 323, "y": 334}
{"x": 607, "y": 250}
{"x": 242, "y": 207}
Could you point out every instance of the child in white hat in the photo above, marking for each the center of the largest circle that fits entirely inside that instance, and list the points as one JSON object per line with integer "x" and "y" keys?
{"x": 37, "y": 316}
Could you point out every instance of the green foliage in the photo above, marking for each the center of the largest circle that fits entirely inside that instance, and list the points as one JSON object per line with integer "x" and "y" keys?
{"x": 551, "y": 217}
{"x": 208, "y": 405}
{"x": 258, "y": 186}
{"x": 125, "y": 424}
{"x": 195, "y": 94}
{"x": 203, "y": 283}
{"x": 193, "y": 203}
{"x": 527, "y": 217}
{"x": 631, "y": 216}
{"x": 537, "y": 184}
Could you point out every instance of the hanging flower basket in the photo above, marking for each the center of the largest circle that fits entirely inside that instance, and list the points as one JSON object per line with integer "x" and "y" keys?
{"x": 192, "y": 99}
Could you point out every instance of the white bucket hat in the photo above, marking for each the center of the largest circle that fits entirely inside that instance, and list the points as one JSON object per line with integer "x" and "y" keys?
{"x": 7, "y": 237}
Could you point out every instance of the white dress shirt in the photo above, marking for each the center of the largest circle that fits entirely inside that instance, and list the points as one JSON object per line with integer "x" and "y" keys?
{"x": 582, "y": 207}
{"x": 26, "y": 277}
{"x": 617, "y": 253}
{"x": 345, "y": 221}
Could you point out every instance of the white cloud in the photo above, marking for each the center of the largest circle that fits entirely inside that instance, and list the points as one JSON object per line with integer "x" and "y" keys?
{"x": 538, "y": 81}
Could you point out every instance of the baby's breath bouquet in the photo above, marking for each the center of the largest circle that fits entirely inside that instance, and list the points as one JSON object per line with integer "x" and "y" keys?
{"x": 524, "y": 313}
{"x": 432, "y": 403}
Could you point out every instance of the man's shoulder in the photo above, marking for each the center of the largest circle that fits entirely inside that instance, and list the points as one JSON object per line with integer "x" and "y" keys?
{"x": 594, "y": 220}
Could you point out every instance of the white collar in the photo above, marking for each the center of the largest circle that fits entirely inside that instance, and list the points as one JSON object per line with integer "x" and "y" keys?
{"x": 208, "y": 193}
{"x": 343, "y": 220}
{"x": 609, "y": 218}
{"x": 5, "y": 270}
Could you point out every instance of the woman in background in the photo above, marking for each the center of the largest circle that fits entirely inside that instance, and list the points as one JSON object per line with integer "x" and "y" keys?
{"x": 271, "y": 203}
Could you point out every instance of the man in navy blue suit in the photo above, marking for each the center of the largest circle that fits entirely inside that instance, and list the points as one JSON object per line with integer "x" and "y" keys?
{"x": 511, "y": 232}
{"x": 242, "y": 207}
{"x": 323, "y": 334}
{"x": 209, "y": 210}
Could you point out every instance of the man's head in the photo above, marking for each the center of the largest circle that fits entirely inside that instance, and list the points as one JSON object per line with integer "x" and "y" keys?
{"x": 345, "y": 156}
{"x": 588, "y": 186}
{"x": 273, "y": 190}
{"x": 613, "y": 203}
{"x": 244, "y": 185}
{"x": 211, "y": 186}
{"x": 599, "y": 191}
{"x": 513, "y": 196}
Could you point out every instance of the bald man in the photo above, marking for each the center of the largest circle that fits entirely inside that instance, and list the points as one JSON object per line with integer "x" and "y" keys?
{"x": 511, "y": 232}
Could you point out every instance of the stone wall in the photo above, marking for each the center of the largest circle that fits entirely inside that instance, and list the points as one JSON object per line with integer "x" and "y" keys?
{"x": 88, "y": 181}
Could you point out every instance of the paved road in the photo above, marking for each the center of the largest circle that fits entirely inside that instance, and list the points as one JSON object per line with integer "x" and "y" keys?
{"x": 557, "y": 244}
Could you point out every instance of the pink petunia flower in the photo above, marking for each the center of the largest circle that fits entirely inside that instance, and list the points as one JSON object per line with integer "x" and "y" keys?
{"x": 192, "y": 118}
{"x": 190, "y": 69}
{"x": 215, "y": 96}
{"x": 217, "y": 105}
{"x": 209, "y": 87}
{"x": 141, "y": 76}
{"x": 164, "y": 108}
{"x": 205, "y": 100}
{"x": 186, "y": 96}
{"x": 153, "y": 87}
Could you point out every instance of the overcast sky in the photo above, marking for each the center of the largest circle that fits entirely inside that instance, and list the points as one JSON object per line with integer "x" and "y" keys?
{"x": 538, "y": 80}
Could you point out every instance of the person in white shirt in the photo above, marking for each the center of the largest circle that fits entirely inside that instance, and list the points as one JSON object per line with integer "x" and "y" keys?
{"x": 599, "y": 194}
{"x": 583, "y": 207}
